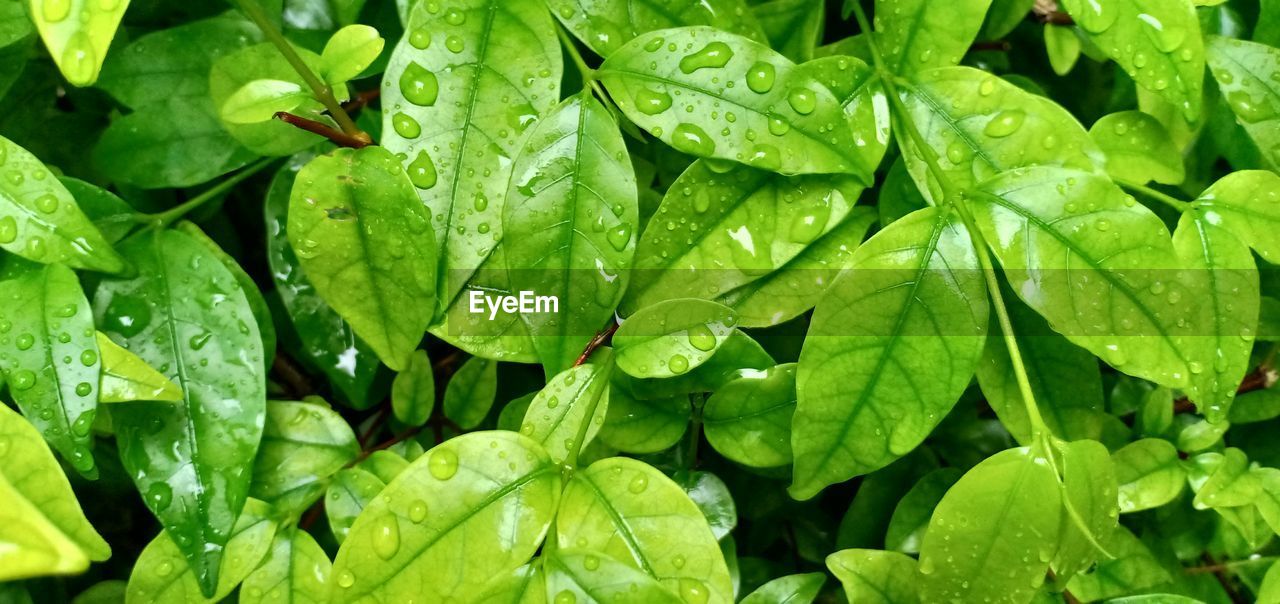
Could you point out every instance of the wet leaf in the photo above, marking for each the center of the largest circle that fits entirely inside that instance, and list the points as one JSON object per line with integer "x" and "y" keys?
{"x": 672, "y": 337}
{"x": 77, "y": 34}
{"x": 303, "y": 445}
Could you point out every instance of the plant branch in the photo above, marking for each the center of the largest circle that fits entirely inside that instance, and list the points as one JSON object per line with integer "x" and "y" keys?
{"x": 588, "y": 74}
{"x": 163, "y": 219}
{"x": 1263, "y": 377}
{"x": 322, "y": 91}
{"x": 1153, "y": 194}
{"x": 596, "y": 342}
{"x": 342, "y": 139}
{"x": 297, "y": 382}
{"x": 361, "y": 100}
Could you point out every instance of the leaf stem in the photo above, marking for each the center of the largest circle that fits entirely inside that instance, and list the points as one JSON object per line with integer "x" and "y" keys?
{"x": 571, "y": 461}
{"x": 163, "y": 219}
{"x": 588, "y": 74}
{"x": 1153, "y": 194}
{"x": 338, "y": 137}
{"x": 322, "y": 91}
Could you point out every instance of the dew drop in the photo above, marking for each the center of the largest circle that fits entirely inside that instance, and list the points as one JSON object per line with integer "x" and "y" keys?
{"x": 693, "y": 140}
{"x": 22, "y": 380}
{"x": 405, "y": 126}
{"x": 712, "y": 56}
{"x": 386, "y": 536}
{"x": 418, "y": 511}
{"x": 678, "y": 363}
{"x": 702, "y": 338}
{"x": 8, "y": 229}
{"x": 619, "y": 236}
{"x": 652, "y": 102}
{"x": 802, "y": 100}
{"x": 1005, "y": 123}
{"x": 443, "y": 464}
{"x": 419, "y": 86}
{"x": 761, "y": 76}
{"x": 638, "y": 484}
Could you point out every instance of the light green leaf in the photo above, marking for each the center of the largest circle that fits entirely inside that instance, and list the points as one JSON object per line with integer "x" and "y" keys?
{"x": 46, "y": 319}
{"x": 791, "y": 589}
{"x": 111, "y": 591}
{"x": 643, "y": 425}
{"x": 77, "y": 34}
{"x": 43, "y": 529}
{"x": 1158, "y": 43}
{"x": 605, "y": 25}
{"x": 461, "y": 88}
{"x": 672, "y": 337}
{"x": 113, "y": 216}
{"x": 1138, "y": 149}
{"x": 1065, "y": 379}
{"x": 325, "y": 339}
{"x": 413, "y": 393}
{"x": 296, "y": 569}
{"x": 1089, "y": 486}
{"x": 161, "y": 574}
{"x": 1246, "y": 75}
{"x": 259, "y": 100}
{"x": 40, "y": 221}
{"x": 571, "y": 222}
{"x": 629, "y": 510}
{"x": 1063, "y": 47}
{"x": 875, "y": 577}
{"x": 980, "y": 125}
{"x": 1269, "y": 590}
{"x": 913, "y": 297}
{"x": 384, "y": 464}
{"x": 712, "y": 496}
{"x": 1229, "y": 482}
{"x": 366, "y": 245}
{"x": 748, "y": 420}
{"x": 1148, "y": 474}
{"x": 524, "y": 585}
{"x": 1098, "y": 266}
{"x": 348, "y": 53}
{"x": 15, "y": 25}
{"x": 793, "y": 27}
{"x": 951, "y": 26}
{"x": 780, "y": 115}
{"x": 442, "y": 518}
{"x": 910, "y": 520}
{"x": 235, "y": 70}
{"x": 127, "y": 378}
{"x": 798, "y": 285}
{"x": 1247, "y": 203}
{"x": 350, "y": 492}
{"x": 738, "y": 353}
{"x": 1200, "y": 435}
{"x": 188, "y": 460}
{"x": 588, "y": 576}
{"x": 994, "y": 532}
{"x": 303, "y": 444}
{"x": 470, "y": 392}
{"x": 556, "y": 415}
{"x": 1133, "y": 568}
{"x": 744, "y": 226}
{"x": 861, "y": 93}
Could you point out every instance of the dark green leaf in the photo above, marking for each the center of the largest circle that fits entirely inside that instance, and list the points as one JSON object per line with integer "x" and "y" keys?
{"x": 470, "y": 392}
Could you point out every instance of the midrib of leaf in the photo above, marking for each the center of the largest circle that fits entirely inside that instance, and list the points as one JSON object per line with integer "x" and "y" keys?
{"x": 506, "y": 489}
{"x": 745, "y": 416}
{"x": 859, "y": 405}
{"x": 952, "y": 124}
{"x": 385, "y": 320}
{"x": 1167, "y": 57}
{"x": 838, "y": 150}
{"x": 43, "y": 299}
{"x": 620, "y": 523}
{"x": 1023, "y": 468}
{"x": 1092, "y": 264}
{"x": 915, "y": 26}
{"x": 580, "y": 136}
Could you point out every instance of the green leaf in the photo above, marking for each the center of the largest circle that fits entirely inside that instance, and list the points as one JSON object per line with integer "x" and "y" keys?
{"x": 797, "y": 286}
{"x": 1200, "y": 435}
{"x": 1148, "y": 474}
{"x": 1247, "y": 203}
{"x": 1228, "y": 312}
{"x": 1138, "y": 149}
{"x": 1158, "y": 44}
{"x": 461, "y": 88}
{"x": 1065, "y": 379}
{"x": 351, "y": 491}
{"x": 587, "y": 576}
{"x": 910, "y": 520}
{"x": 296, "y": 569}
{"x": 981, "y": 125}
{"x": 875, "y": 577}
{"x": 999, "y": 524}
{"x": 712, "y": 496}
{"x": 303, "y": 444}
{"x": 471, "y": 392}
{"x": 259, "y": 100}
{"x": 348, "y": 53}
{"x": 114, "y": 217}
{"x": 672, "y": 337}
{"x": 46, "y": 319}
{"x": 1258, "y": 406}
{"x": 1089, "y": 487}
{"x": 780, "y": 115}
{"x": 1099, "y": 267}
{"x": 791, "y": 589}
{"x": 627, "y": 509}
{"x": 863, "y": 399}
{"x": 15, "y": 26}
{"x": 793, "y": 27}
{"x": 413, "y": 393}
{"x": 643, "y": 425}
{"x": 212, "y": 351}
{"x": 524, "y": 585}
{"x": 78, "y": 43}
{"x": 326, "y": 340}
{"x": 1004, "y": 16}
{"x": 744, "y": 226}
{"x": 1132, "y": 568}
{"x": 364, "y": 242}
{"x": 161, "y": 574}
{"x": 556, "y": 416}
{"x": 862, "y": 95}
{"x": 550, "y": 249}
{"x": 440, "y": 517}
{"x": 748, "y": 420}
{"x": 44, "y": 531}
{"x": 40, "y": 221}
{"x": 102, "y": 592}
{"x": 235, "y": 70}
{"x": 738, "y": 353}
{"x": 605, "y": 25}
{"x": 1063, "y": 47}
{"x": 951, "y": 28}
{"x": 1269, "y": 590}
{"x": 898, "y": 194}
{"x": 127, "y": 378}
